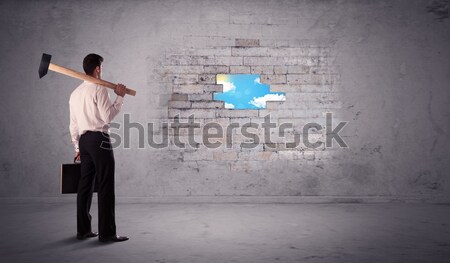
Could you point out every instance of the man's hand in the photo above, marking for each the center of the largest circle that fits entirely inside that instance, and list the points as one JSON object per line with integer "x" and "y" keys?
{"x": 120, "y": 90}
{"x": 77, "y": 156}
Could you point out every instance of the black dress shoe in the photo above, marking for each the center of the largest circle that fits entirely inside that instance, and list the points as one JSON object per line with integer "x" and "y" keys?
{"x": 87, "y": 235}
{"x": 112, "y": 239}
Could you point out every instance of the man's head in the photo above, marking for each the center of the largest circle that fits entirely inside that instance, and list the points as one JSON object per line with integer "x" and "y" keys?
{"x": 92, "y": 65}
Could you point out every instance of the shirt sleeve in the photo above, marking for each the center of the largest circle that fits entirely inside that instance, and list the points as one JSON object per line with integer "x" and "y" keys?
{"x": 73, "y": 127}
{"x": 106, "y": 108}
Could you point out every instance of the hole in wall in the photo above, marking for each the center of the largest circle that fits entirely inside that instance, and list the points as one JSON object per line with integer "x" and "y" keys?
{"x": 245, "y": 91}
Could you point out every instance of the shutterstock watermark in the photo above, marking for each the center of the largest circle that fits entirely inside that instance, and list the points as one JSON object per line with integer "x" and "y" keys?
{"x": 195, "y": 133}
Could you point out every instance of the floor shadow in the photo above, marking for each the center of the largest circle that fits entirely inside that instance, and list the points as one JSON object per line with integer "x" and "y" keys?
{"x": 61, "y": 243}
{"x": 73, "y": 241}
{"x": 95, "y": 243}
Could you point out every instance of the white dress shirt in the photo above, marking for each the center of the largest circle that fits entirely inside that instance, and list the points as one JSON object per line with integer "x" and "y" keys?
{"x": 91, "y": 110}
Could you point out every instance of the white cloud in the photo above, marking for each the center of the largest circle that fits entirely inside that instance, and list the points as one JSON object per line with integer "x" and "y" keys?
{"x": 260, "y": 102}
{"x": 257, "y": 81}
{"x": 228, "y": 86}
{"x": 229, "y": 105}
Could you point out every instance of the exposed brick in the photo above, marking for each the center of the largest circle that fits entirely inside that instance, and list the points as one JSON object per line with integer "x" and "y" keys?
{"x": 270, "y": 61}
{"x": 280, "y": 69}
{"x": 317, "y": 88}
{"x": 197, "y": 137}
{"x": 207, "y": 79}
{"x": 309, "y": 113}
{"x": 187, "y": 69}
{"x": 329, "y": 89}
{"x": 310, "y": 61}
{"x": 298, "y": 69}
{"x": 275, "y": 113}
{"x": 262, "y": 69}
{"x": 179, "y": 104}
{"x": 197, "y": 97}
{"x": 274, "y": 43}
{"x": 246, "y": 42}
{"x": 325, "y": 70}
{"x": 216, "y": 69}
{"x": 229, "y": 61}
{"x": 304, "y": 105}
{"x": 221, "y": 121}
{"x": 217, "y": 51}
{"x": 208, "y": 104}
{"x": 288, "y": 137}
{"x": 275, "y": 79}
{"x": 236, "y": 113}
{"x": 274, "y": 104}
{"x": 239, "y": 120}
{"x": 302, "y": 68}
{"x": 310, "y": 79}
{"x": 251, "y": 51}
{"x": 186, "y": 60}
{"x": 276, "y": 52}
{"x": 186, "y": 113}
{"x": 178, "y": 96}
{"x": 240, "y": 70}
{"x": 185, "y": 79}
{"x": 282, "y": 43}
{"x": 299, "y": 123}
{"x": 268, "y": 43}
{"x": 213, "y": 88}
{"x": 181, "y": 60}
{"x": 165, "y": 80}
{"x": 291, "y": 52}
{"x": 188, "y": 88}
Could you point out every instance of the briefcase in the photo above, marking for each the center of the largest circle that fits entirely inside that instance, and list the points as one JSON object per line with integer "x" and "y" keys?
{"x": 70, "y": 176}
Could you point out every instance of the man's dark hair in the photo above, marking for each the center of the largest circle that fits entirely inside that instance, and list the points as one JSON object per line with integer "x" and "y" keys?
{"x": 90, "y": 62}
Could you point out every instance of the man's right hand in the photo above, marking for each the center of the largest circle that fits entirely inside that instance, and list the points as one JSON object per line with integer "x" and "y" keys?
{"x": 77, "y": 156}
{"x": 120, "y": 90}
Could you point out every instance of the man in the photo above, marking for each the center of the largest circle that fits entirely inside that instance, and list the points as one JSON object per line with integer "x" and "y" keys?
{"x": 91, "y": 111}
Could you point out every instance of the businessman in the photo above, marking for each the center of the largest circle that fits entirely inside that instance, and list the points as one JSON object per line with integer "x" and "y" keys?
{"x": 91, "y": 111}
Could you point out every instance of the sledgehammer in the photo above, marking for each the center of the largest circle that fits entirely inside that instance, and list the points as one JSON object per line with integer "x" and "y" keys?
{"x": 46, "y": 65}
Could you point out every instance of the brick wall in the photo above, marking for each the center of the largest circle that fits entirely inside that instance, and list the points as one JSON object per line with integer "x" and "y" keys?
{"x": 302, "y": 68}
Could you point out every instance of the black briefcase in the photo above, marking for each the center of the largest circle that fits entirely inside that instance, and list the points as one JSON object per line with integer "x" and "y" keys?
{"x": 70, "y": 176}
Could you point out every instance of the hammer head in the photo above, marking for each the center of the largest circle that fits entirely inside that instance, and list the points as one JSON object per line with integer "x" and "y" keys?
{"x": 45, "y": 62}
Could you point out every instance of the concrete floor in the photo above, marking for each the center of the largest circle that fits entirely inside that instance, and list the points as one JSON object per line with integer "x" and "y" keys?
{"x": 45, "y": 232}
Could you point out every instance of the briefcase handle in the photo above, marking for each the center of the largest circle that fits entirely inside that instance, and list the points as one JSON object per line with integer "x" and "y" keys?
{"x": 75, "y": 160}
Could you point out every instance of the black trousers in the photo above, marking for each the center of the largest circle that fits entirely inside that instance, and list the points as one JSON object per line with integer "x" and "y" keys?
{"x": 97, "y": 160}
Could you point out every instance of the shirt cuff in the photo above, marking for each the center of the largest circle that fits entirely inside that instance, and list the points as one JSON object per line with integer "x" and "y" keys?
{"x": 119, "y": 99}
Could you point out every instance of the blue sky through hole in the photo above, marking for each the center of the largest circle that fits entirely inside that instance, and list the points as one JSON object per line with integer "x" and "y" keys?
{"x": 245, "y": 91}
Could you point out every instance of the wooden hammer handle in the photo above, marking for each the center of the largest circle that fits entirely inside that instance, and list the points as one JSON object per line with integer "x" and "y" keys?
{"x": 78, "y": 75}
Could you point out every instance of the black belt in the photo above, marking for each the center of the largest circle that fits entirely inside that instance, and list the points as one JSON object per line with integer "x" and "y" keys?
{"x": 95, "y": 132}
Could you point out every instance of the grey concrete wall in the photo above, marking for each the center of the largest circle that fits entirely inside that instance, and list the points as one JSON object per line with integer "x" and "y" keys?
{"x": 383, "y": 66}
